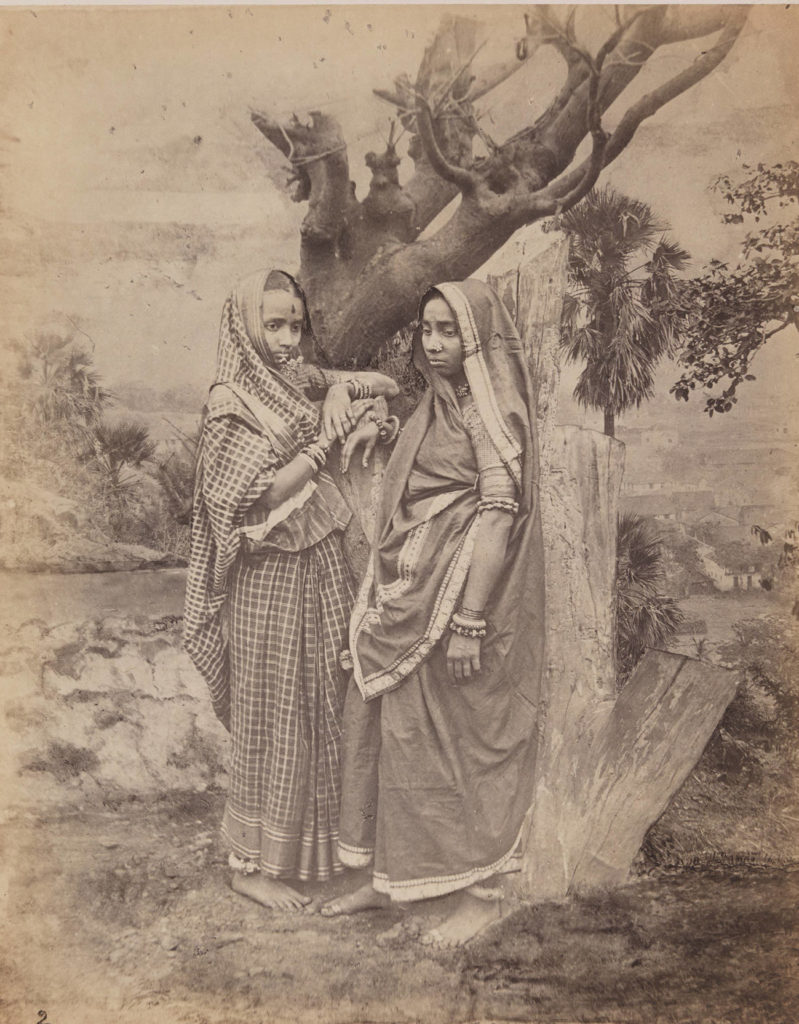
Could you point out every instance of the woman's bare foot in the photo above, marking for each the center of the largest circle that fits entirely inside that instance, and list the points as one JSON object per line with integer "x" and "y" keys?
{"x": 469, "y": 918}
{"x": 268, "y": 891}
{"x": 402, "y": 931}
{"x": 364, "y": 898}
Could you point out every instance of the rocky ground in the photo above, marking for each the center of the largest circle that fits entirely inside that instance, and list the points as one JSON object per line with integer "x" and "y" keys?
{"x": 124, "y": 914}
{"x": 118, "y": 906}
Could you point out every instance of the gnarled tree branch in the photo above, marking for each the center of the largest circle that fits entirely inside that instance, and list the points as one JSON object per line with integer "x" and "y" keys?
{"x": 318, "y": 156}
{"x": 462, "y": 178}
{"x": 353, "y": 251}
{"x": 699, "y": 69}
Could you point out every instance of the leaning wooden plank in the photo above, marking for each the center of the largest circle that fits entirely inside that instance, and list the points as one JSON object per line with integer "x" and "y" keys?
{"x": 659, "y": 727}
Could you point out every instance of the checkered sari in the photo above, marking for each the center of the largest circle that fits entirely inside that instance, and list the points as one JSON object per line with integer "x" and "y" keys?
{"x": 266, "y": 629}
{"x": 289, "y": 613}
{"x": 235, "y": 466}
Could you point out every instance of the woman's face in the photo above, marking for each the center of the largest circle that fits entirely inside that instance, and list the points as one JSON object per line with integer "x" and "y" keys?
{"x": 441, "y": 338}
{"x": 282, "y": 314}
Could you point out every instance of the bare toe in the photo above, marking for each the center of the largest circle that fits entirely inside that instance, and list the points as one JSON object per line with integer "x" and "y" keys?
{"x": 432, "y": 938}
{"x": 364, "y": 898}
{"x": 469, "y": 919}
{"x": 331, "y": 909}
{"x": 269, "y": 892}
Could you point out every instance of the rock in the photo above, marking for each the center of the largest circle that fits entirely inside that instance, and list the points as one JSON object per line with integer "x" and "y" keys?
{"x": 111, "y": 706}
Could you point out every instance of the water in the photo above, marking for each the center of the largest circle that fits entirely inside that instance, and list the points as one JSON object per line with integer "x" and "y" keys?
{"x": 75, "y": 597}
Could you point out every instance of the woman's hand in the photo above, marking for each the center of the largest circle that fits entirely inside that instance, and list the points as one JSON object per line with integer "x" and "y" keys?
{"x": 360, "y": 407}
{"x": 337, "y": 415}
{"x": 366, "y": 434}
{"x": 463, "y": 656}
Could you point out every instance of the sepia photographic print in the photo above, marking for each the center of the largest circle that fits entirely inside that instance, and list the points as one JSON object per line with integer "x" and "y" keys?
{"x": 399, "y": 581}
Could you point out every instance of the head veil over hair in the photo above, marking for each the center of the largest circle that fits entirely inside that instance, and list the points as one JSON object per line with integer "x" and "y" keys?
{"x": 429, "y": 514}
{"x": 255, "y": 420}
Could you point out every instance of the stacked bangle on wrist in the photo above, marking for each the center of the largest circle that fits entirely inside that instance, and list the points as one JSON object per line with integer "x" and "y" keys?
{"x": 467, "y": 626}
{"x": 358, "y": 389}
{"x": 316, "y": 454}
{"x": 500, "y": 504}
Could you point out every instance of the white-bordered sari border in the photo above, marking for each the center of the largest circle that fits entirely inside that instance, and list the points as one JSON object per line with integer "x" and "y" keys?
{"x": 390, "y": 678}
{"x": 414, "y": 889}
{"x": 477, "y": 376}
{"x": 355, "y": 856}
{"x": 408, "y": 558}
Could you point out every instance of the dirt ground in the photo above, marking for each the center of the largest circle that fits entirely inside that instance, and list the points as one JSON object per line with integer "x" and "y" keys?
{"x": 125, "y": 915}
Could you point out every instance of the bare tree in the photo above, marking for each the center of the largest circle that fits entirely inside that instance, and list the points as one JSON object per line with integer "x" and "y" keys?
{"x": 351, "y": 248}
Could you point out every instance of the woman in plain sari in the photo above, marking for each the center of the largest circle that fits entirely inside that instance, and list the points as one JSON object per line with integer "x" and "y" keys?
{"x": 268, "y": 592}
{"x": 447, "y": 633}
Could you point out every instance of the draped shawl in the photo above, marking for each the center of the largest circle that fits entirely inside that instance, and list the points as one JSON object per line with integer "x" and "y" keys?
{"x": 238, "y": 455}
{"x": 428, "y": 518}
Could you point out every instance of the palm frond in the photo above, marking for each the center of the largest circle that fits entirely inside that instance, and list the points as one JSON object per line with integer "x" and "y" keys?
{"x": 644, "y": 616}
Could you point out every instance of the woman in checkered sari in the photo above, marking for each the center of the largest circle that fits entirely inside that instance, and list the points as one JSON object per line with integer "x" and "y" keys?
{"x": 447, "y": 631}
{"x": 268, "y": 593}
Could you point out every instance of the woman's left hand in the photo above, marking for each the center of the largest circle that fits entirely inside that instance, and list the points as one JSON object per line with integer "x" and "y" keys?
{"x": 337, "y": 414}
{"x": 366, "y": 434}
{"x": 463, "y": 656}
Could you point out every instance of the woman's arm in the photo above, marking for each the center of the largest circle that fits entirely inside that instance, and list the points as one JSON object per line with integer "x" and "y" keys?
{"x": 287, "y": 481}
{"x": 379, "y": 383}
{"x": 292, "y": 477}
{"x": 490, "y": 544}
{"x": 337, "y": 413}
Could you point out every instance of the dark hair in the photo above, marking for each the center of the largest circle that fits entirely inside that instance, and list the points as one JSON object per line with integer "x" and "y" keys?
{"x": 280, "y": 281}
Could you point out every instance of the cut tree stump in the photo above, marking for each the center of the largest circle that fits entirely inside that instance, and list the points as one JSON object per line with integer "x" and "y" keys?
{"x": 607, "y": 766}
{"x": 641, "y": 755}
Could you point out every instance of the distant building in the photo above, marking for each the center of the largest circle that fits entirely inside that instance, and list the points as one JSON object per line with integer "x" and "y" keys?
{"x": 725, "y": 579}
{"x": 719, "y": 528}
{"x": 682, "y": 506}
{"x": 635, "y": 487}
{"x": 717, "y": 518}
{"x": 659, "y": 505}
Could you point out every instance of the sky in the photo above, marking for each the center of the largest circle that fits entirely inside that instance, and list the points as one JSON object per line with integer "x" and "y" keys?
{"x": 135, "y": 188}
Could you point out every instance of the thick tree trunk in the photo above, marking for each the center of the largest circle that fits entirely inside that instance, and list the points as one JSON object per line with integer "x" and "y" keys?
{"x": 364, "y": 262}
{"x": 607, "y": 766}
{"x": 610, "y": 423}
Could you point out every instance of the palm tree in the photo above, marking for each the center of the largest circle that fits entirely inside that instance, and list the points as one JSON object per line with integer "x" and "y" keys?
{"x": 622, "y": 315}
{"x": 644, "y": 617}
{"x": 115, "y": 449}
{"x": 63, "y": 388}
{"x": 175, "y": 474}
